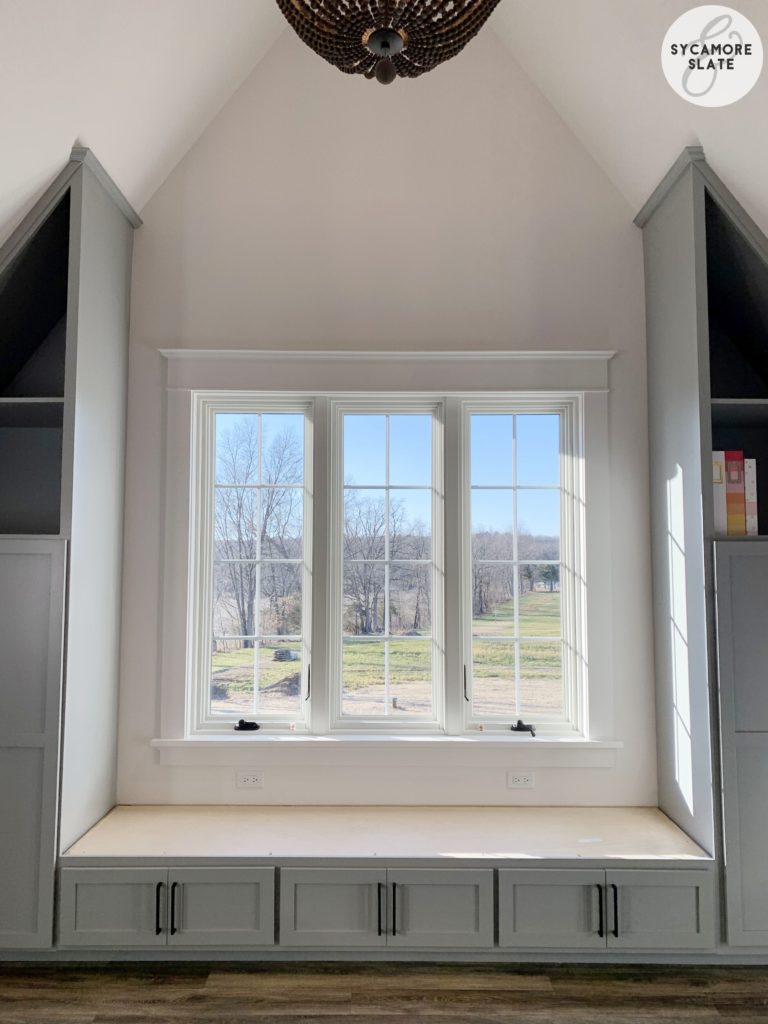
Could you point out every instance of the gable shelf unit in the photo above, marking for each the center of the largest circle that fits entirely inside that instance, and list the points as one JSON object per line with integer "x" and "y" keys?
{"x": 64, "y": 287}
{"x": 706, "y": 265}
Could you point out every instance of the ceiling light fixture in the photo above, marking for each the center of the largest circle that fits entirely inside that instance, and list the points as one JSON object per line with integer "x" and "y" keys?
{"x": 386, "y": 39}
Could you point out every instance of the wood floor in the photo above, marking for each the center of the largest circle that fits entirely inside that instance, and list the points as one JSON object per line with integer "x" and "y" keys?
{"x": 381, "y": 994}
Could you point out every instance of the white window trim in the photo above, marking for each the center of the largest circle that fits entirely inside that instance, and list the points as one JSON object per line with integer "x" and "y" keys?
{"x": 302, "y": 374}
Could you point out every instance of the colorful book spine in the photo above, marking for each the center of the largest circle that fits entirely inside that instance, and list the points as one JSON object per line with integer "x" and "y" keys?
{"x": 750, "y": 495}
{"x": 734, "y": 494}
{"x": 718, "y": 491}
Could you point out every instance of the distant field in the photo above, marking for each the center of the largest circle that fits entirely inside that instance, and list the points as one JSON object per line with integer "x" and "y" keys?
{"x": 410, "y": 668}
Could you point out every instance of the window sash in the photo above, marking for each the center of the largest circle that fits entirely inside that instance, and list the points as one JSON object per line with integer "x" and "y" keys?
{"x": 201, "y": 627}
{"x": 572, "y": 604}
{"x": 401, "y": 722}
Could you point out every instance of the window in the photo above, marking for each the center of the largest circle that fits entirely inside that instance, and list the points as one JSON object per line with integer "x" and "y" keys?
{"x": 389, "y": 609}
{"x": 254, "y": 570}
{"x": 520, "y": 605}
{"x": 498, "y": 497}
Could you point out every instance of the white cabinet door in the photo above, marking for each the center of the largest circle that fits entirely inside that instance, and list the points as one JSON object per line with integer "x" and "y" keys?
{"x": 440, "y": 908}
{"x": 552, "y": 908}
{"x": 221, "y": 907}
{"x": 113, "y": 907}
{"x": 333, "y": 907}
{"x": 660, "y": 909}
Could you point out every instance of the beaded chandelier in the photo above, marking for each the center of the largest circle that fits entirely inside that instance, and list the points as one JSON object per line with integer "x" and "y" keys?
{"x": 384, "y": 39}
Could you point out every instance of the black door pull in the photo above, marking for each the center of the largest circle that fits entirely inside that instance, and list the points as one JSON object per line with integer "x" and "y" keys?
{"x": 158, "y": 899}
{"x": 379, "y": 895}
{"x": 600, "y": 912}
{"x": 615, "y": 910}
{"x": 174, "y": 887}
{"x": 394, "y": 908}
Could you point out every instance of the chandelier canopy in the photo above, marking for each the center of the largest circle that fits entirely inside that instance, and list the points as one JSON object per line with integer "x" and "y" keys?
{"x": 384, "y": 39}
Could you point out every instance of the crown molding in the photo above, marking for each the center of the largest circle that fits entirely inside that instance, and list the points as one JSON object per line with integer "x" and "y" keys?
{"x": 690, "y": 155}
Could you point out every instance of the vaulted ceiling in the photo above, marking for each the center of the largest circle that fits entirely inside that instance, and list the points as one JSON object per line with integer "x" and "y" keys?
{"x": 138, "y": 81}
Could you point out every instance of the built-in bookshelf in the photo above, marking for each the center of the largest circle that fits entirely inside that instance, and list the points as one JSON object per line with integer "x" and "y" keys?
{"x": 737, "y": 294}
{"x": 33, "y": 305}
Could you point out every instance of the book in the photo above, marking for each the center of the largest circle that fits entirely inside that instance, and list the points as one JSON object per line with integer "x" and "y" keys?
{"x": 750, "y": 496}
{"x": 734, "y": 494}
{"x": 718, "y": 491}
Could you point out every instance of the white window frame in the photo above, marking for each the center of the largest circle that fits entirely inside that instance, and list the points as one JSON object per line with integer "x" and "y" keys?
{"x": 383, "y": 405}
{"x": 572, "y": 558}
{"x": 206, "y": 406}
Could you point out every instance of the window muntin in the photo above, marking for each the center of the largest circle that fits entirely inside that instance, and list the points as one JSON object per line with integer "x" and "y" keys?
{"x": 256, "y": 520}
{"x": 522, "y": 632}
{"x": 390, "y": 617}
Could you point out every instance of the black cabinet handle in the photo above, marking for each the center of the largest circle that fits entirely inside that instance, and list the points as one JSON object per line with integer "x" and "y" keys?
{"x": 379, "y": 893}
{"x": 309, "y": 683}
{"x": 394, "y": 908}
{"x": 466, "y": 695}
{"x": 173, "y": 907}
{"x": 615, "y": 910}
{"x": 600, "y": 913}
{"x": 158, "y": 898}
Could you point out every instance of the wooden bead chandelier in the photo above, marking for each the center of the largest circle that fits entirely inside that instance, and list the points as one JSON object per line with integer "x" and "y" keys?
{"x": 384, "y": 39}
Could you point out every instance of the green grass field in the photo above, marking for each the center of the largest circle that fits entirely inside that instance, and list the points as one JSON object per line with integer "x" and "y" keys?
{"x": 410, "y": 668}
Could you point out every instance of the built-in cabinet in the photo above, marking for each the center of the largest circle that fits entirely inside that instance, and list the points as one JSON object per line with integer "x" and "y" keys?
{"x": 387, "y": 908}
{"x": 193, "y": 906}
{"x": 64, "y": 296}
{"x": 598, "y": 909}
{"x": 418, "y": 907}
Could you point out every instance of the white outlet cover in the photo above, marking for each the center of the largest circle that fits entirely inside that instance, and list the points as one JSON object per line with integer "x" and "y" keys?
{"x": 249, "y": 778}
{"x": 521, "y": 779}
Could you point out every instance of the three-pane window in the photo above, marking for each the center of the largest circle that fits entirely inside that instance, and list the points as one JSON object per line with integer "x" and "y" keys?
{"x": 500, "y": 493}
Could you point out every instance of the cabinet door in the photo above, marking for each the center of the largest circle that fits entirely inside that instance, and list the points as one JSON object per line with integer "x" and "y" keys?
{"x": 31, "y": 638}
{"x": 221, "y": 907}
{"x": 552, "y": 909}
{"x": 332, "y": 907}
{"x": 660, "y": 909}
{"x": 442, "y": 907}
{"x": 113, "y": 907}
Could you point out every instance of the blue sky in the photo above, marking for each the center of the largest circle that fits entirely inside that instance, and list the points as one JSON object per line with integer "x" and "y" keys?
{"x": 492, "y": 445}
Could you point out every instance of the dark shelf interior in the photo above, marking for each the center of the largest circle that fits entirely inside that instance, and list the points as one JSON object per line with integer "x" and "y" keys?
{"x": 753, "y": 441}
{"x": 33, "y": 306}
{"x": 737, "y": 285}
{"x": 34, "y": 414}
{"x": 739, "y": 412}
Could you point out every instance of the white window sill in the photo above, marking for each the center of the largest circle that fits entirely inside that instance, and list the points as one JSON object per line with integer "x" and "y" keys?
{"x": 489, "y": 750}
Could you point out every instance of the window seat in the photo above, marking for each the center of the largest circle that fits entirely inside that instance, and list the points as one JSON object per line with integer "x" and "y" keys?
{"x": 442, "y": 834}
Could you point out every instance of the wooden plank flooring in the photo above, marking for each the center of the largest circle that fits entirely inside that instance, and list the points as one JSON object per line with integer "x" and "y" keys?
{"x": 378, "y": 994}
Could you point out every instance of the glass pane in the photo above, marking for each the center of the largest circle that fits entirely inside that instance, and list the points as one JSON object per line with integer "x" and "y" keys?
{"x": 541, "y": 678}
{"x": 236, "y": 525}
{"x": 491, "y": 449}
{"x": 282, "y": 512}
{"x": 538, "y": 522}
{"x": 363, "y": 598}
{"x": 365, "y": 519}
{"x": 280, "y": 608}
{"x": 234, "y": 598}
{"x": 410, "y": 524}
{"x": 279, "y": 677}
{"x": 492, "y": 524}
{"x": 410, "y": 600}
{"x": 363, "y": 677}
{"x": 539, "y": 606}
{"x": 410, "y": 450}
{"x": 232, "y": 676}
{"x": 493, "y": 678}
{"x": 493, "y": 600}
{"x": 365, "y": 450}
{"x": 237, "y": 448}
{"x": 538, "y": 449}
{"x": 282, "y": 442}
{"x": 410, "y": 677}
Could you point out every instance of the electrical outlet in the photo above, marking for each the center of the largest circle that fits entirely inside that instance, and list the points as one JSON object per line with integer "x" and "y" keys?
{"x": 521, "y": 779}
{"x": 249, "y": 778}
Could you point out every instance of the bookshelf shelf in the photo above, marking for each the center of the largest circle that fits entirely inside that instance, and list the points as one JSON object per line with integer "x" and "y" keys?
{"x": 740, "y": 412}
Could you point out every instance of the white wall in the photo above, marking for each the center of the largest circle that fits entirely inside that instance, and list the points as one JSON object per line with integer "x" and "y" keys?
{"x": 452, "y": 212}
